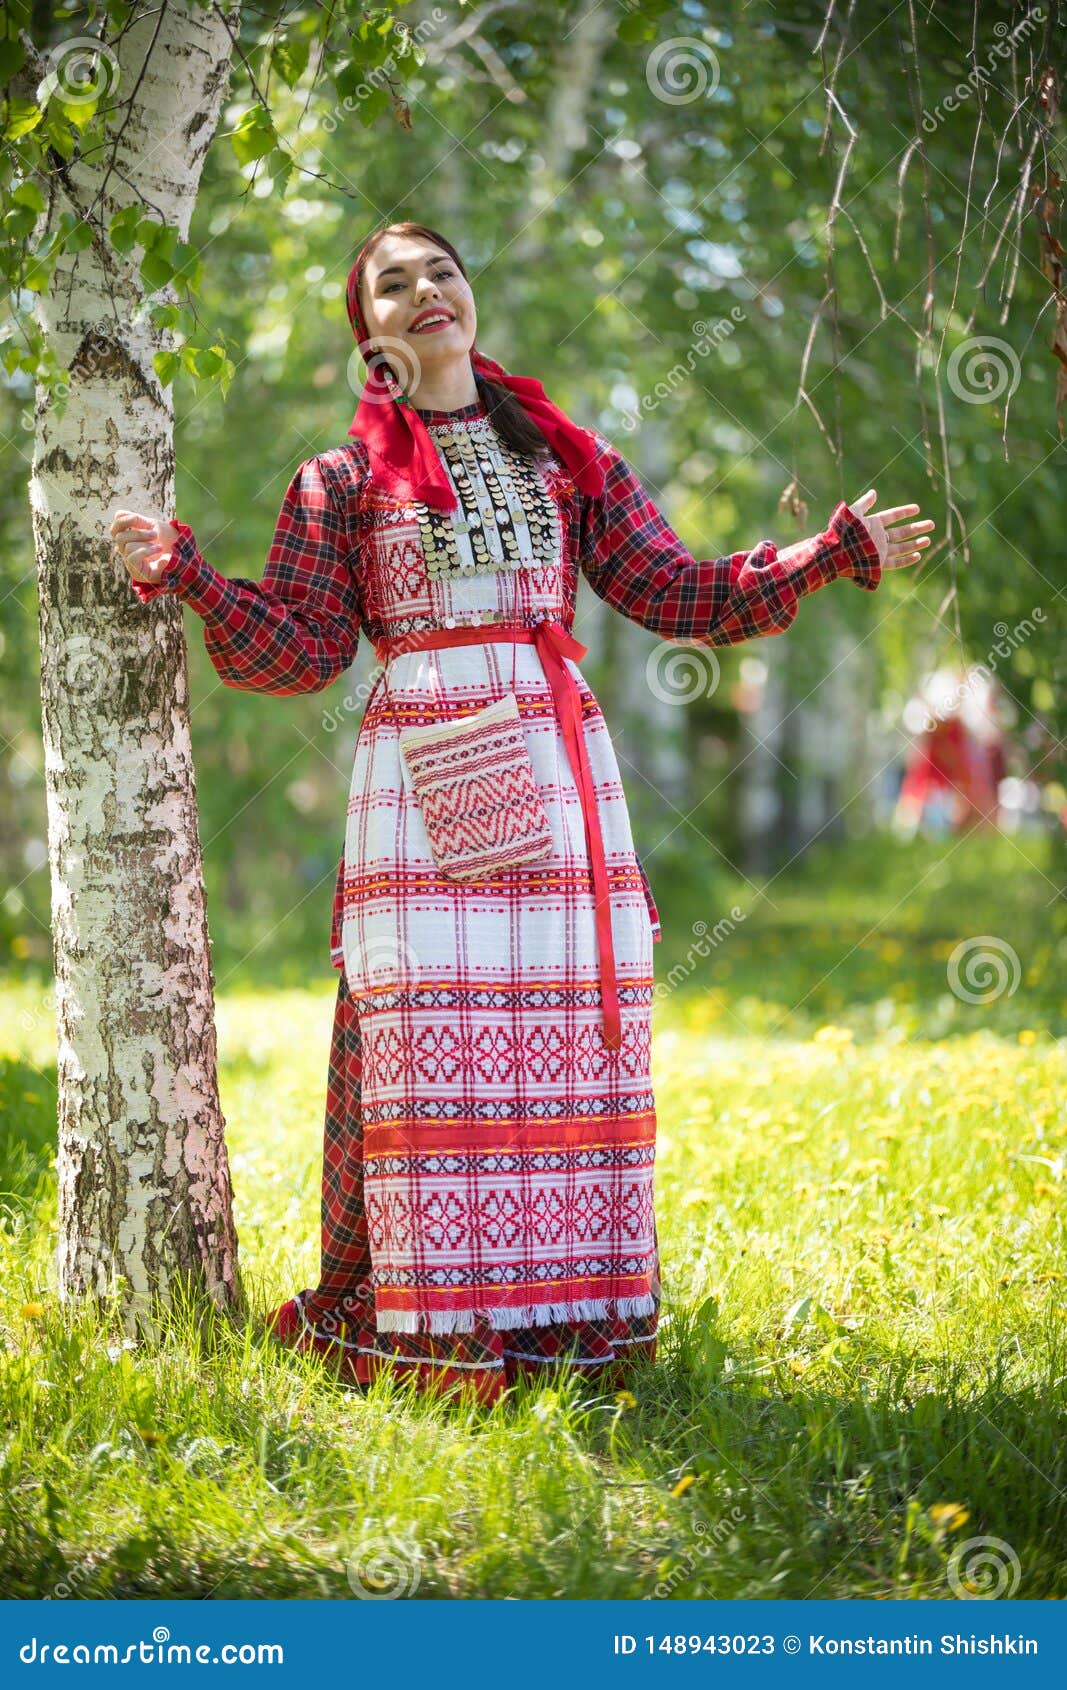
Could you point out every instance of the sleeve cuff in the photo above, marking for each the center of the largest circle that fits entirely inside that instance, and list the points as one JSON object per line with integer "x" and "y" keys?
{"x": 186, "y": 575}
{"x": 854, "y": 550}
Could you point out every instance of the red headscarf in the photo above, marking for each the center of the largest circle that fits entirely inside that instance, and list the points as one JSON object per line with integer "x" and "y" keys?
{"x": 405, "y": 460}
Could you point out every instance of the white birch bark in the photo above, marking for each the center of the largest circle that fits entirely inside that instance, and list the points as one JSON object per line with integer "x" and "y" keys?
{"x": 144, "y": 1181}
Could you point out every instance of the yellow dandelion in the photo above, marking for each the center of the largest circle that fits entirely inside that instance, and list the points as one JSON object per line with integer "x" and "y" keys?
{"x": 148, "y": 1436}
{"x": 1027, "y": 1036}
{"x": 32, "y": 1311}
{"x": 1043, "y": 1189}
{"x": 626, "y": 1399}
{"x": 949, "y": 1516}
{"x": 683, "y": 1484}
{"x": 1047, "y": 1278}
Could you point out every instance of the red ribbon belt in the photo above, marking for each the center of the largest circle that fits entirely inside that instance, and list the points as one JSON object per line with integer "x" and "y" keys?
{"x": 553, "y": 644}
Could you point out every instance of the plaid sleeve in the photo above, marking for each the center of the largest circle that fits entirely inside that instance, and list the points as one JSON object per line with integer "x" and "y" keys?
{"x": 635, "y": 561}
{"x": 297, "y": 629}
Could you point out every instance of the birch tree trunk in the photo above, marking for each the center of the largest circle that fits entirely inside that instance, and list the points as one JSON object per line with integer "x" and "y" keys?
{"x": 144, "y": 1180}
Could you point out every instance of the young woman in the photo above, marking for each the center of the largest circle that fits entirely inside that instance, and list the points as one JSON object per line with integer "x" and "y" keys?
{"x": 487, "y": 1193}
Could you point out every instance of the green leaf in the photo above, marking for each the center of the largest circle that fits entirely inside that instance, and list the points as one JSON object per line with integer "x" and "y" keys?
{"x": 160, "y": 260}
{"x": 150, "y": 231}
{"x": 289, "y": 58}
{"x": 635, "y": 30}
{"x": 187, "y": 263}
{"x": 254, "y": 136}
{"x": 58, "y": 135}
{"x": 708, "y": 1313}
{"x": 156, "y": 271}
{"x": 347, "y": 77}
{"x": 798, "y": 1314}
{"x": 166, "y": 366}
{"x": 172, "y": 316}
{"x": 37, "y": 275}
{"x": 373, "y": 105}
{"x": 22, "y": 116}
{"x": 78, "y": 112}
{"x": 28, "y": 193}
{"x": 12, "y": 57}
{"x": 824, "y": 1321}
{"x": 281, "y": 168}
{"x": 54, "y": 240}
{"x": 205, "y": 360}
{"x": 123, "y": 228}
{"x": 711, "y": 1356}
{"x": 19, "y": 221}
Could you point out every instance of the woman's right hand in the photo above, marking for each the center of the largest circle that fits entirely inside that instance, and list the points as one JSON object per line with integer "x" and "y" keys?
{"x": 144, "y": 543}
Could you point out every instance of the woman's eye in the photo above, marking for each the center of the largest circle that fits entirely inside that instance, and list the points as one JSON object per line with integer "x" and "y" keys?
{"x": 437, "y": 273}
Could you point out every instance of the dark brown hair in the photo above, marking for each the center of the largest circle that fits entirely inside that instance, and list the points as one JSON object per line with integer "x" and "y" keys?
{"x": 514, "y": 425}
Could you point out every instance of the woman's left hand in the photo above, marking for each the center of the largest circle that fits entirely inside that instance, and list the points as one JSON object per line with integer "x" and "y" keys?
{"x": 901, "y": 546}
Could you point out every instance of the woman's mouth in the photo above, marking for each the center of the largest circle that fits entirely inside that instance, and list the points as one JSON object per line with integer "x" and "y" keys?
{"x": 431, "y": 325}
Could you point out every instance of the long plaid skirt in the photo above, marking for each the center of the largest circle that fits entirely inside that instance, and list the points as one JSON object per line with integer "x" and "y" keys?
{"x": 339, "y": 1311}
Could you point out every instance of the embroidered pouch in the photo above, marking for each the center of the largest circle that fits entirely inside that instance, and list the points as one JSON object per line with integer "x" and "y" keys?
{"x": 477, "y": 792}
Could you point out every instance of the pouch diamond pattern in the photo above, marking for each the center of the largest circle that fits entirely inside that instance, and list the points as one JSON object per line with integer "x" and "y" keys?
{"x": 477, "y": 793}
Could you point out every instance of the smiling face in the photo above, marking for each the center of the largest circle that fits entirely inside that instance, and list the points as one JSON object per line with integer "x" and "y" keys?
{"x": 407, "y": 283}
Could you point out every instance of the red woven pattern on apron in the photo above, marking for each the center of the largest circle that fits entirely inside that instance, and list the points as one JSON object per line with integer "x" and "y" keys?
{"x": 336, "y": 1318}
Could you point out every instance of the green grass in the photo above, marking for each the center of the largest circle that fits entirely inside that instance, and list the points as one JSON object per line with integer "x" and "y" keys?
{"x": 863, "y": 1354}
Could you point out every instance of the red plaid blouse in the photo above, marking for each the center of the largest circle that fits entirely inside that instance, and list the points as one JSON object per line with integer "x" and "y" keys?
{"x": 297, "y": 629}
